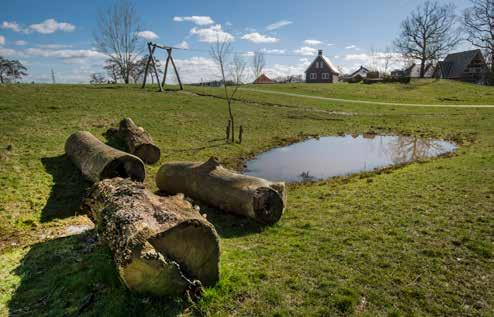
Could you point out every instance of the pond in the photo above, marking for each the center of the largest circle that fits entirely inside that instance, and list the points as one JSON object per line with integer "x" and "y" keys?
{"x": 326, "y": 157}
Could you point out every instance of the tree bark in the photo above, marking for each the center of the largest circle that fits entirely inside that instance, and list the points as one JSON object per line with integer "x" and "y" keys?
{"x": 161, "y": 245}
{"x": 211, "y": 183}
{"x": 98, "y": 161}
{"x": 138, "y": 141}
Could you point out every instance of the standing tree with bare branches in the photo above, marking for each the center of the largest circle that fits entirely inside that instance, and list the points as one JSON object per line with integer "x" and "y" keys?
{"x": 427, "y": 34}
{"x": 220, "y": 52}
{"x": 258, "y": 63}
{"x": 478, "y": 23}
{"x": 117, "y": 36}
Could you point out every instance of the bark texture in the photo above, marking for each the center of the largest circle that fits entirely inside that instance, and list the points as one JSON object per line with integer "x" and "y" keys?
{"x": 98, "y": 161}
{"x": 138, "y": 141}
{"x": 211, "y": 183}
{"x": 161, "y": 245}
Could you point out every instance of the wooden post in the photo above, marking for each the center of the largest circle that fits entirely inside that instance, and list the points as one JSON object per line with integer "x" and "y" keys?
{"x": 169, "y": 50}
{"x": 147, "y": 66}
{"x": 151, "y": 51}
{"x": 166, "y": 71}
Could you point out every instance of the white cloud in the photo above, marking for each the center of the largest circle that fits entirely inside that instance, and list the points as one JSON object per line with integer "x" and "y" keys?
{"x": 66, "y": 54}
{"x": 248, "y": 54}
{"x": 50, "y": 26}
{"x": 278, "y": 24}
{"x": 352, "y": 47}
{"x": 330, "y": 44}
{"x": 307, "y": 51}
{"x": 273, "y": 51}
{"x": 2, "y": 40}
{"x": 20, "y": 43}
{"x": 259, "y": 38}
{"x": 11, "y": 26}
{"x": 183, "y": 45}
{"x": 147, "y": 35}
{"x": 54, "y": 46}
{"x": 195, "y": 69}
{"x": 356, "y": 57}
{"x": 8, "y": 52}
{"x": 312, "y": 42}
{"x": 212, "y": 34}
{"x": 199, "y": 20}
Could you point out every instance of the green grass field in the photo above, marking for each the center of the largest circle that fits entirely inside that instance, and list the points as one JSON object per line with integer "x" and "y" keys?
{"x": 409, "y": 241}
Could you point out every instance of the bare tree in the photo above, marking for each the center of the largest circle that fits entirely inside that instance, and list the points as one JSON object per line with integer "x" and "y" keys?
{"x": 97, "y": 78}
{"x": 117, "y": 36}
{"x": 112, "y": 70}
{"x": 258, "y": 63}
{"x": 388, "y": 58}
{"x": 427, "y": 34}
{"x": 11, "y": 70}
{"x": 373, "y": 60}
{"x": 478, "y": 23}
{"x": 220, "y": 52}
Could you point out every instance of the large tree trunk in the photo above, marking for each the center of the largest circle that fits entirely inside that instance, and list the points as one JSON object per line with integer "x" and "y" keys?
{"x": 211, "y": 183}
{"x": 161, "y": 245}
{"x": 138, "y": 141}
{"x": 98, "y": 161}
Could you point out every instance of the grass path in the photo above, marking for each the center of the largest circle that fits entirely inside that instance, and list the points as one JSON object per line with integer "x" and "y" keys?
{"x": 361, "y": 101}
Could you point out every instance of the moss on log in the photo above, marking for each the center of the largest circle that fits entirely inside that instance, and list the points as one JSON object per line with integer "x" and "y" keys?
{"x": 211, "y": 183}
{"x": 161, "y": 245}
{"x": 98, "y": 161}
{"x": 137, "y": 140}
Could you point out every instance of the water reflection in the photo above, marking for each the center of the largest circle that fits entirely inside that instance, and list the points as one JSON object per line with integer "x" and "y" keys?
{"x": 342, "y": 155}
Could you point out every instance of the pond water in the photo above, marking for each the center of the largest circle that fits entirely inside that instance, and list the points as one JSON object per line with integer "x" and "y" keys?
{"x": 327, "y": 157}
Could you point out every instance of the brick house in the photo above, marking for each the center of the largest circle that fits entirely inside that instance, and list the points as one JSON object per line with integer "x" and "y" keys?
{"x": 321, "y": 70}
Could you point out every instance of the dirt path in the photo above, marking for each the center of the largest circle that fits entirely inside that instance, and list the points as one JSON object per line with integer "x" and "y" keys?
{"x": 362, "y": 101}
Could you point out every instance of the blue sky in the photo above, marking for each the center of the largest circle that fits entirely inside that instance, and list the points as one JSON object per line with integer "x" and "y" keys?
{"x": 57, "y": 34}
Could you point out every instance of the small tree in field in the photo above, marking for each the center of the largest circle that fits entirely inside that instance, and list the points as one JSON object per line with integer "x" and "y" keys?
{"x": 235, "y": 68}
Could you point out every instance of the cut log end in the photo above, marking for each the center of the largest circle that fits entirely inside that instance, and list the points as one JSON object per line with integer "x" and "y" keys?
{"x": 149, "y": 153}
{"x": 195, "y": 246}
{"x": 126, "y": 167}
{"x": 149, "y": 273}
{"x": 268, "y": 205}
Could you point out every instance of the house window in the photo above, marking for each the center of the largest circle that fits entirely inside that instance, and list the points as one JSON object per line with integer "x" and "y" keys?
{"x": 313, "y": 75}
{"x": 325, "y": 76}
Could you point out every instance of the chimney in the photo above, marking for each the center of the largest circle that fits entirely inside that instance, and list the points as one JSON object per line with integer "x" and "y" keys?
{"x": 320, "y": 52}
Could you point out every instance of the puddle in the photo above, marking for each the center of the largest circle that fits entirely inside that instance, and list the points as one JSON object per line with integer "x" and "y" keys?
{"x": 326, "y": 157}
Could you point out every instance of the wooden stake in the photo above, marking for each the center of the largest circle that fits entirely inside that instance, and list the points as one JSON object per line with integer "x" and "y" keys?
{"x": 240, "y": 134}
{"x": 228, "y": 127}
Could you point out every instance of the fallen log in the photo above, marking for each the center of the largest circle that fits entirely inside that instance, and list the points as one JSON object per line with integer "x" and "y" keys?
{"x": 138, "y": 141}
{"x": 161, "y": 245}
{"x": 98, "y": 161}
{"x": 211, "y": 183}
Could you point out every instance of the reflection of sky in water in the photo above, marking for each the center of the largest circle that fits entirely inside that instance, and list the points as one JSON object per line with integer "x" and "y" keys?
{"x": 336, "y": 156}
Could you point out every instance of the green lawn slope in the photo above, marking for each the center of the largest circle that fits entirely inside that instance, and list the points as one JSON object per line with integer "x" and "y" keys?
{"x": 411, "y": 240}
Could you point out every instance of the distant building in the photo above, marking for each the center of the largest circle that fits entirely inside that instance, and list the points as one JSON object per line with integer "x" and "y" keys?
{"x": 263, "y": 79}
{"x": 321, "y": 71}
{"x": 414, "y": 71}
{"x": 468, "y": 66}
{"x": 361, "y": 72}
{"x": 398, "y": 73}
